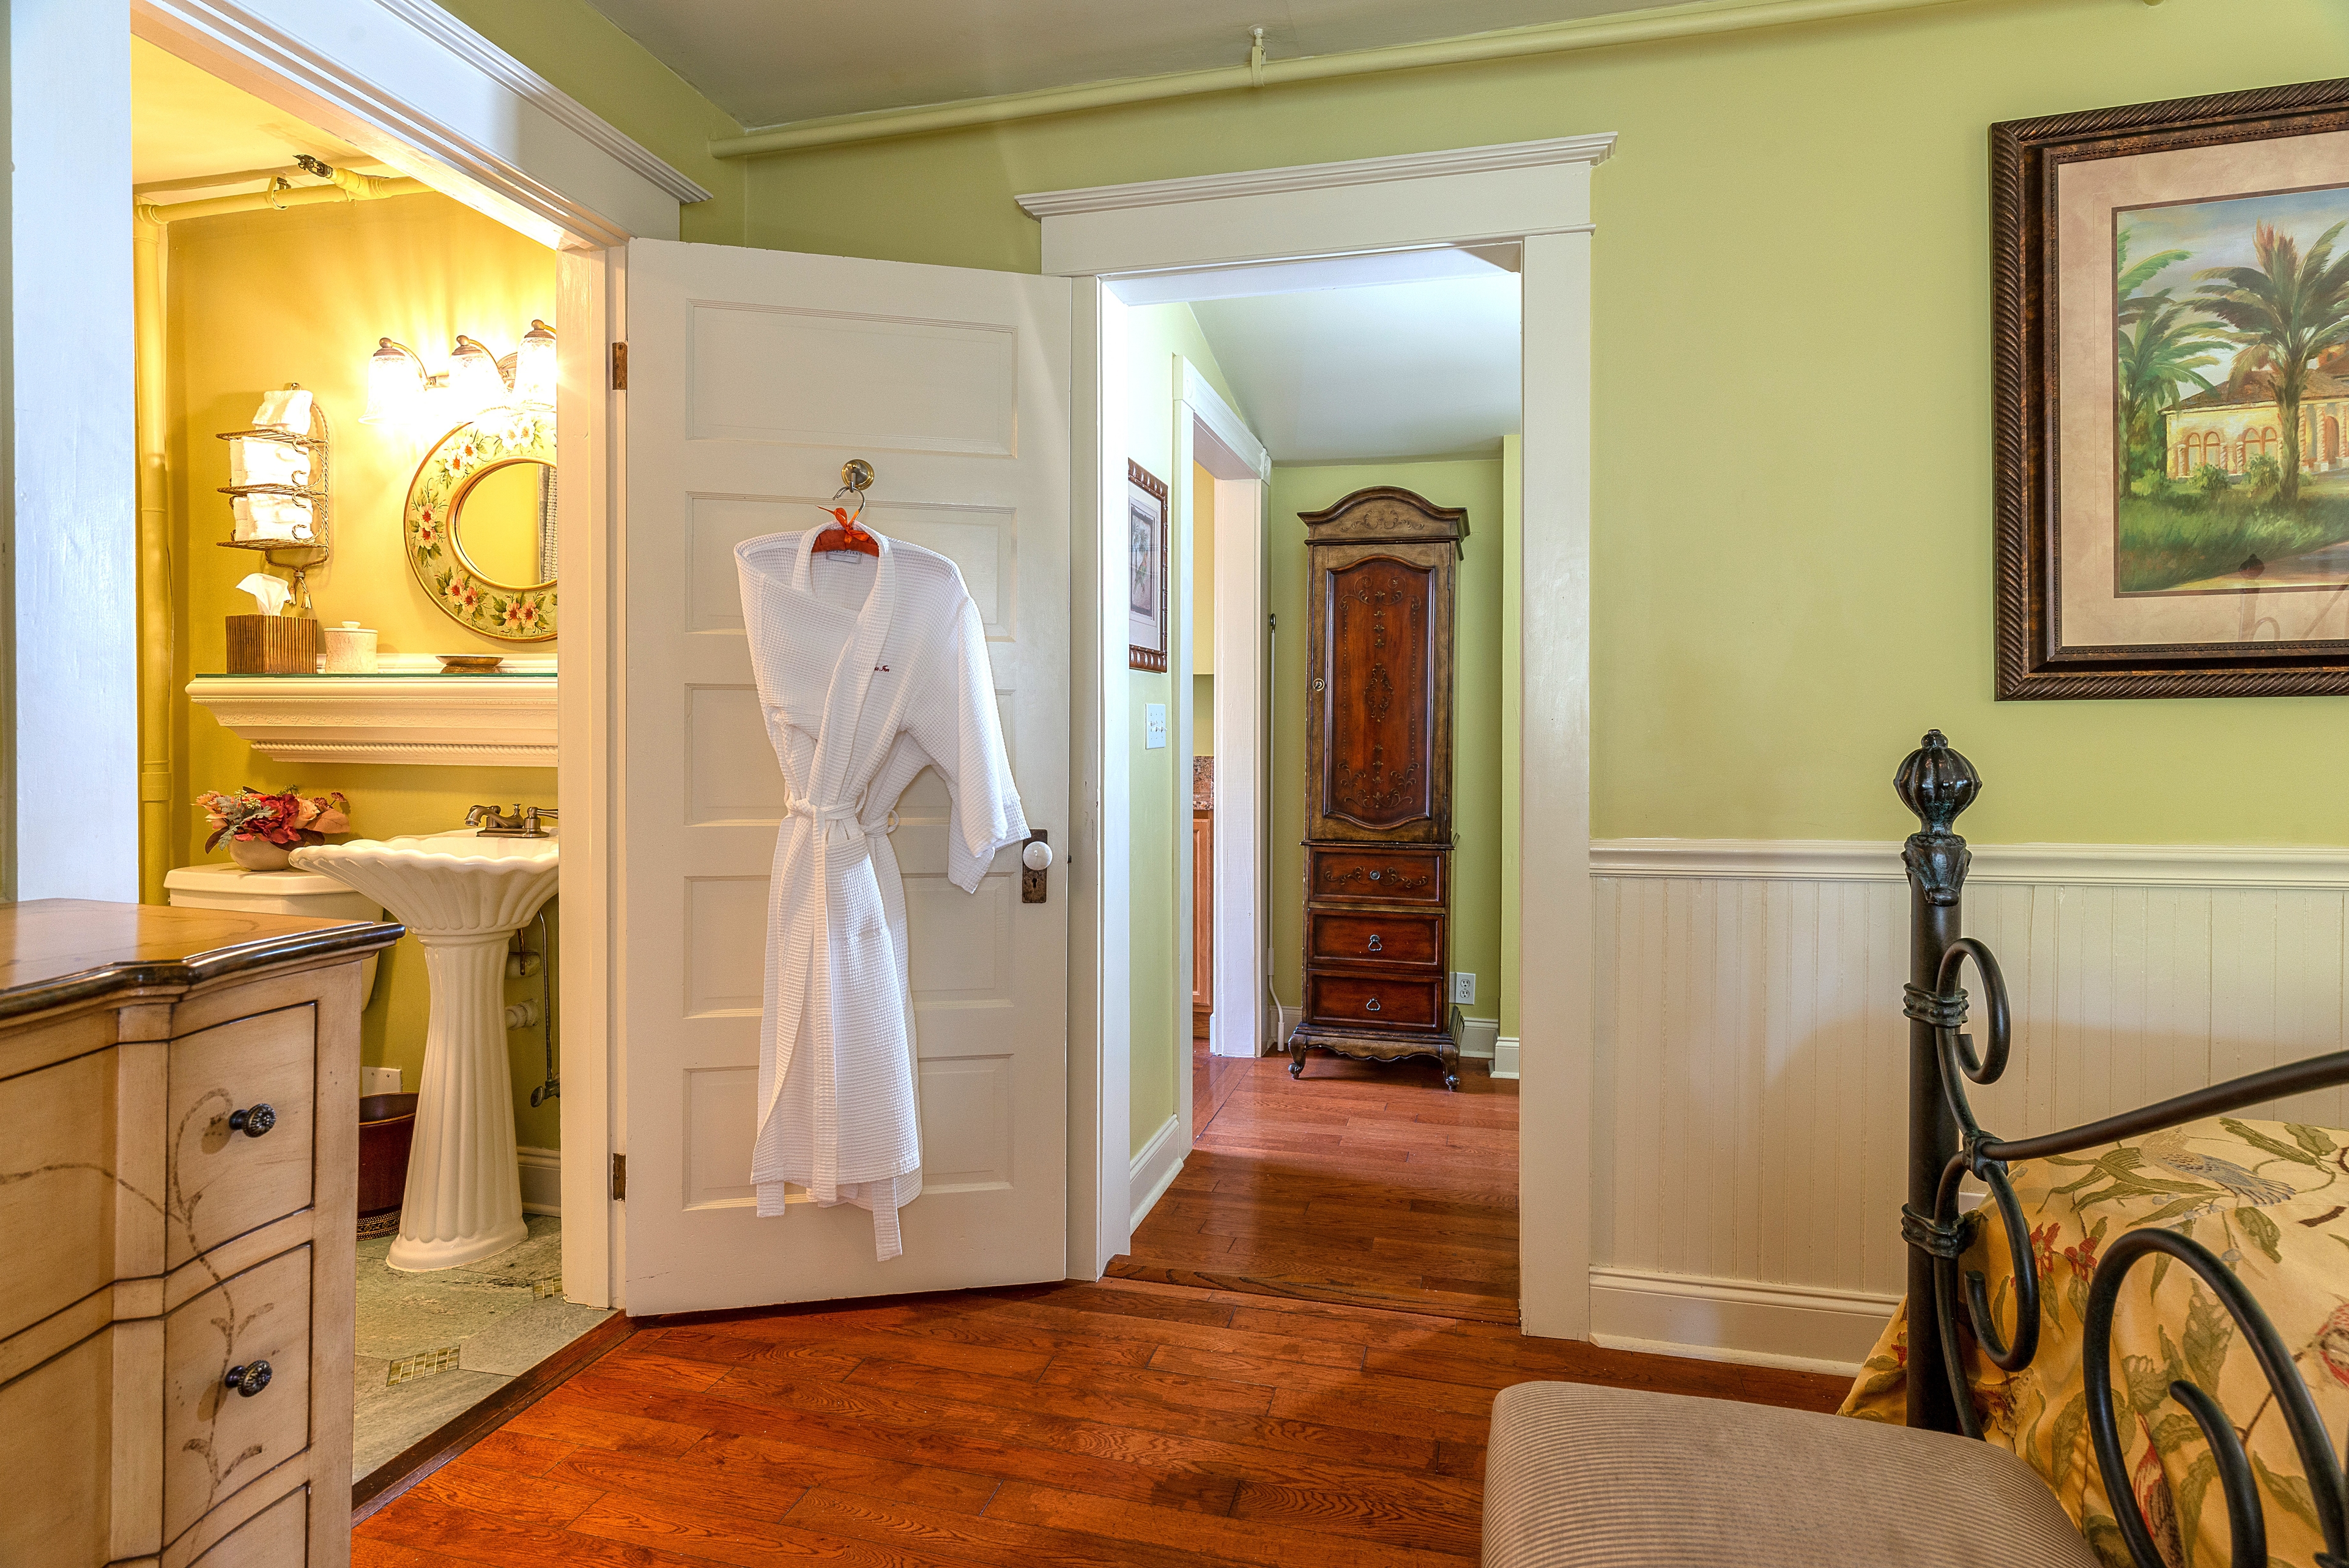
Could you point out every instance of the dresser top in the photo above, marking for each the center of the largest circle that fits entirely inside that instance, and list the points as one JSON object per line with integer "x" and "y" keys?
{"x": 54, "y": 951}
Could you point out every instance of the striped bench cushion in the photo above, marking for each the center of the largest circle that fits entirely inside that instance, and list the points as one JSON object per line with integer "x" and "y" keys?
{"x": 1612, "y": 1477}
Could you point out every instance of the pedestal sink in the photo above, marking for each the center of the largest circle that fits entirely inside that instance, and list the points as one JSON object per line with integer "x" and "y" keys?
{"x": 462, "y": 896}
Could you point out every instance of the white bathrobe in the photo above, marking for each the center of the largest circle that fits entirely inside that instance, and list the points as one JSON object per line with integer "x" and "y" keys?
{"x": 869, "y": 671}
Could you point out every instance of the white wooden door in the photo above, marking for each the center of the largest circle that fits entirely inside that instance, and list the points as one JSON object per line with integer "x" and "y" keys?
{"x": 752, "y": 376}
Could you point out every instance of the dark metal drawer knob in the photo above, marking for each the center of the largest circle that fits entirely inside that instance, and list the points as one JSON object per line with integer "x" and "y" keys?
{"x": 252, "y": 1123}
{"x": 248, "y": 1380}
{"x": 1371, "y": 1005}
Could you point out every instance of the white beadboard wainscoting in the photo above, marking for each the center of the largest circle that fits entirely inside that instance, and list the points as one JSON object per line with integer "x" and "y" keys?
{"x": 1752, "y": 1066}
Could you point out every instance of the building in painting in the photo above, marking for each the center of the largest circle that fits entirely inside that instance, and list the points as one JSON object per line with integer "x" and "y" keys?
{"x": 2228, "y": 427}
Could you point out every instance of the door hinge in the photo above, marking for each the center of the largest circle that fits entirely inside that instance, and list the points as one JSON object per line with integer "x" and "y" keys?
{"x": 619, "y": 1176}
{"x": 619, "y": 367}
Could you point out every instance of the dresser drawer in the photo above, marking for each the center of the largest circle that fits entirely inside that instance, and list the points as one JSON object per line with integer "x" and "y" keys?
{"x": 216, "y": 1440}
{"x": 1374, "y": 876}
{"x": 276, "y": 1537}
{"x": 1389, "y": 937}
{"x": 1374, "y": 1002}
{"x": 224, "y": 1182}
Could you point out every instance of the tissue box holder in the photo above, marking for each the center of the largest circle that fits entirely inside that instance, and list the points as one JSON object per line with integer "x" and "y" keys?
{"x": 271, "y": 645}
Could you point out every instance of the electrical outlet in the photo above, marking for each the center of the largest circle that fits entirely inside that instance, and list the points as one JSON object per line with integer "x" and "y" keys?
{"x": 1153, "y": 726}
{"x": 1464, "y": 986}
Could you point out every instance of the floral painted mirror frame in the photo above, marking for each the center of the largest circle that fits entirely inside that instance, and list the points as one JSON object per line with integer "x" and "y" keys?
{"x": 436, "y": 498}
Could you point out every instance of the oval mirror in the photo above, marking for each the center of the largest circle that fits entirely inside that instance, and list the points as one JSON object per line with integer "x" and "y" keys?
{"x": 480, "y": 524}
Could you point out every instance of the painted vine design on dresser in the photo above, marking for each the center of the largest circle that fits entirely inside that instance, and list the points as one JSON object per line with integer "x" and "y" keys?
{"x": 176, "y": 1329}
{"x": 1381, "y": 570}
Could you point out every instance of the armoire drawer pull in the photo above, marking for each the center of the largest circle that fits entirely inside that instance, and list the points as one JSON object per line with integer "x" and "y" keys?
{"x": 248, "y": 1380}
{"x": 252, "y": 1123}
{"x": 1371, "y": 1005}
{"x": 1374, "y": 942}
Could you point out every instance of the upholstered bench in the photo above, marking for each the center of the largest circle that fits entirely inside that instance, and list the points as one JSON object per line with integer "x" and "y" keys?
{"x": 1609, "y": 1477}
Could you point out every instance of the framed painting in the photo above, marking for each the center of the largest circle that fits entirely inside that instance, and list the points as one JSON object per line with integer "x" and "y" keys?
{"x": 2171, "y": 337}
{"x": 1145, "y": 618}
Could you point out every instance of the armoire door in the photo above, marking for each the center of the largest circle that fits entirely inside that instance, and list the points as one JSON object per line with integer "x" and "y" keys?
{"x": 752, "y": 376}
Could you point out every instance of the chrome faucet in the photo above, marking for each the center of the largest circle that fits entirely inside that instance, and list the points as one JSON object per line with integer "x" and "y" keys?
{"x": 522, "y": 823}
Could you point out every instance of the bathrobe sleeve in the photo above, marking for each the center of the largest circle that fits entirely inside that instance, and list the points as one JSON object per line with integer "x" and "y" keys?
{"x": 955, "y": 722}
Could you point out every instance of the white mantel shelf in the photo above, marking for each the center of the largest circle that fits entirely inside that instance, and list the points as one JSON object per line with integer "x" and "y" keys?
{"x": 446, "y": 720}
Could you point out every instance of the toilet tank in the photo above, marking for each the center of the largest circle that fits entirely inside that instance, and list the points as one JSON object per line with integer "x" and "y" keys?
{"x": 226, "y": 885}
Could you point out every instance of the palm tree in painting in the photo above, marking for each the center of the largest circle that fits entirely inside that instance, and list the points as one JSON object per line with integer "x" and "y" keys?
{"x": 2163, "y": 346}
{"x": 2283, "y": 313}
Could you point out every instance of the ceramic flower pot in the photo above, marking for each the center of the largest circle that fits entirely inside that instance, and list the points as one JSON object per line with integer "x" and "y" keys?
{"x": 259, "y": 853}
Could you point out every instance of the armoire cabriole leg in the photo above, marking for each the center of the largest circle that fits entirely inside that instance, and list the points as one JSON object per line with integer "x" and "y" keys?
{"x": 1936, "y": 783}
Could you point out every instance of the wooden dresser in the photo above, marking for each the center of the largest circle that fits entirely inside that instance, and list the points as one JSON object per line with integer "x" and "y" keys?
{"x": 178, "y": 1182}
{"x": 1380, "y": 576}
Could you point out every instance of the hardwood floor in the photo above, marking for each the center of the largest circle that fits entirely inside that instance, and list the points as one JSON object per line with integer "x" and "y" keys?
{"x": 1363, "y": 1183}
{"x": 1116, "y": 1424}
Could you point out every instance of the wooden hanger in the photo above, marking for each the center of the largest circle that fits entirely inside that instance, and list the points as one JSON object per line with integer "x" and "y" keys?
{"x": 856, "y": 476}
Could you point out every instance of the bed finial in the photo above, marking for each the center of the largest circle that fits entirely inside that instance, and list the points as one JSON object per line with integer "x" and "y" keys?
{"x": 1936, "y": 783}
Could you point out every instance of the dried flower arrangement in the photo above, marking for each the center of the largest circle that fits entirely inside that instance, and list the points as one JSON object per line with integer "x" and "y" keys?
{"x": 248, "y": 814}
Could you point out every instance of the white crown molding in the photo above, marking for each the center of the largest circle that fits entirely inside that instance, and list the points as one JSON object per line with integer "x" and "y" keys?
{"x": 2071, "y": 865}
{"x": 1591, "y": 150}
{"x": 542, "y": 95}
{"x": 441, "y": 721}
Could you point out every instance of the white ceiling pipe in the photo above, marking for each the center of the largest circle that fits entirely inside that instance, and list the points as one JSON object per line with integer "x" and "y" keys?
{"x": 1561, "y": 37}
{"x": 299, "y": 196}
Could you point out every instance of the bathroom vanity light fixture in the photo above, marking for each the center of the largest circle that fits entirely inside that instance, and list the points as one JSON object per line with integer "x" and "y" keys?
{"x": 399, "y": 384}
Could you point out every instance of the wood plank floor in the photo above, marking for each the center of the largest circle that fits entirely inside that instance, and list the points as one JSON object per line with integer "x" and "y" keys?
{"x": 1362, "y": 1183}
{"x": 1104, "y": 1425}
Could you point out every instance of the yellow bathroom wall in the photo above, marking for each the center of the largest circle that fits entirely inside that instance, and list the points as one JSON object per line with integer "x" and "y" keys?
{"x": 256, "y": 300}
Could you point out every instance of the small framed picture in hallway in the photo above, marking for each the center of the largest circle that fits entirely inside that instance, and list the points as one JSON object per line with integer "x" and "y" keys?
{"x": 1145, "y": 507}
{"x": 2170, "y": 346}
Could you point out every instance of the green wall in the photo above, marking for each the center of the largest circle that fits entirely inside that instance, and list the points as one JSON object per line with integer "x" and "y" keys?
{"x": 1158, "y": 798}
{"x": 1477, "y": 734}
{"x": 1791, "y": 470}
{"x": 574, "y": 47}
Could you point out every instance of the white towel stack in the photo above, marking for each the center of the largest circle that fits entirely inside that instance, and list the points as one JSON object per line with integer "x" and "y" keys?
{"x": 284, "y": 410}
{"x": 260, "y": 462}
{"x": 273, "y": 518}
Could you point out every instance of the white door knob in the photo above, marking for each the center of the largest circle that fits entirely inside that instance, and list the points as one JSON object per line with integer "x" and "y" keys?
{"x": 1037, "y": 856}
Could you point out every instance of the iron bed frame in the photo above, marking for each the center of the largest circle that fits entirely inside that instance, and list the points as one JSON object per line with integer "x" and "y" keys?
{"x": 1946, "y": 1143}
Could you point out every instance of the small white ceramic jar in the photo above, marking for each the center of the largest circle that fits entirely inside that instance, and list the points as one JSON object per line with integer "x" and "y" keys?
{"x": 350, "y": 650}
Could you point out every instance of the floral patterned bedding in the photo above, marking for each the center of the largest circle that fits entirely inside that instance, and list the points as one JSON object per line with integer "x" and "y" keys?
{"x": 2272, "y": 1200}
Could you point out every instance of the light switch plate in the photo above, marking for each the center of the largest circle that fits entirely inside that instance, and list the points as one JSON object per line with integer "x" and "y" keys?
{"x": 1464, "y": 985}
{"x": 1153, "y": 726}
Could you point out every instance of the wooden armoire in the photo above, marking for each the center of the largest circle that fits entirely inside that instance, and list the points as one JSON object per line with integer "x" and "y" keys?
{"x": 1381, "y": 570}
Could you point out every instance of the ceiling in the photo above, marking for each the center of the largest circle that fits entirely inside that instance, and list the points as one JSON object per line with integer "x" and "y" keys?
{"x": 768, "y": 61}
{"x": 1423, "y": 368}
{"x": 186, "y": 125}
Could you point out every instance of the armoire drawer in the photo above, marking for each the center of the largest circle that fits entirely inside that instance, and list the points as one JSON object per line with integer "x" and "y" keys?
{"x": 216, "y": 1440}
{"x": 1374, "y": 876}
{"x": 1391, "y": 937}
{"x": 1374, "y": 1002}
{"x": 224, "y": 1181}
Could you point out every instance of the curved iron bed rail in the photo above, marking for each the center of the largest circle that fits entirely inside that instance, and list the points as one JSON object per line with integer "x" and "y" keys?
{"x": 1947, "y": 1144}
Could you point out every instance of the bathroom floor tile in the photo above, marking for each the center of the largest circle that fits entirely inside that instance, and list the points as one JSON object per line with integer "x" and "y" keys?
{"x": 391, "y": 1418}
{"x": 520, "y": 1340}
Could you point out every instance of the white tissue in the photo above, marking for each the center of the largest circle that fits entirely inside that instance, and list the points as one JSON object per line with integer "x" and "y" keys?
{"x": 267, "y": 517}
{"x": 270, "y": 593}
{"x": 285, "y": 410}
{"x": 266, "y": 462}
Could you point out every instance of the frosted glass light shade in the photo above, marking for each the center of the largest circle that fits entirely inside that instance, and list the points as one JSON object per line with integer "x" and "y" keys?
{"x": 475, "y": 378}
{"x": 395, "y": 381}
{"x": 534, "y": 375}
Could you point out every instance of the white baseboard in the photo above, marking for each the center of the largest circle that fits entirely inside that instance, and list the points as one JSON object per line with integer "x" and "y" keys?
{"x": 1792, "y": 1326}
{"x": 1505, "y": 1055}
{"x": 1156, "y": 1168}
{"x": 542, "y": 1181}
{"x": 1478, "y": 1037}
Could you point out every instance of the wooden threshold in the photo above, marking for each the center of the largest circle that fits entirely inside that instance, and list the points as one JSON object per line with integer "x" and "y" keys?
{"x": 436, "y": 1447}
{"x": 1336, "y": 1292}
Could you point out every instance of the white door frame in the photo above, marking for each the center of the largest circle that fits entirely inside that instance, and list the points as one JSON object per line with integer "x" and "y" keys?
{"x": 1535, "y": 194}
{"x": 409, "y": 84}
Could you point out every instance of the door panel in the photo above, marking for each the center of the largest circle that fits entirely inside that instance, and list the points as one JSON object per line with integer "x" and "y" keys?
{"x": 752, "y": 376}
